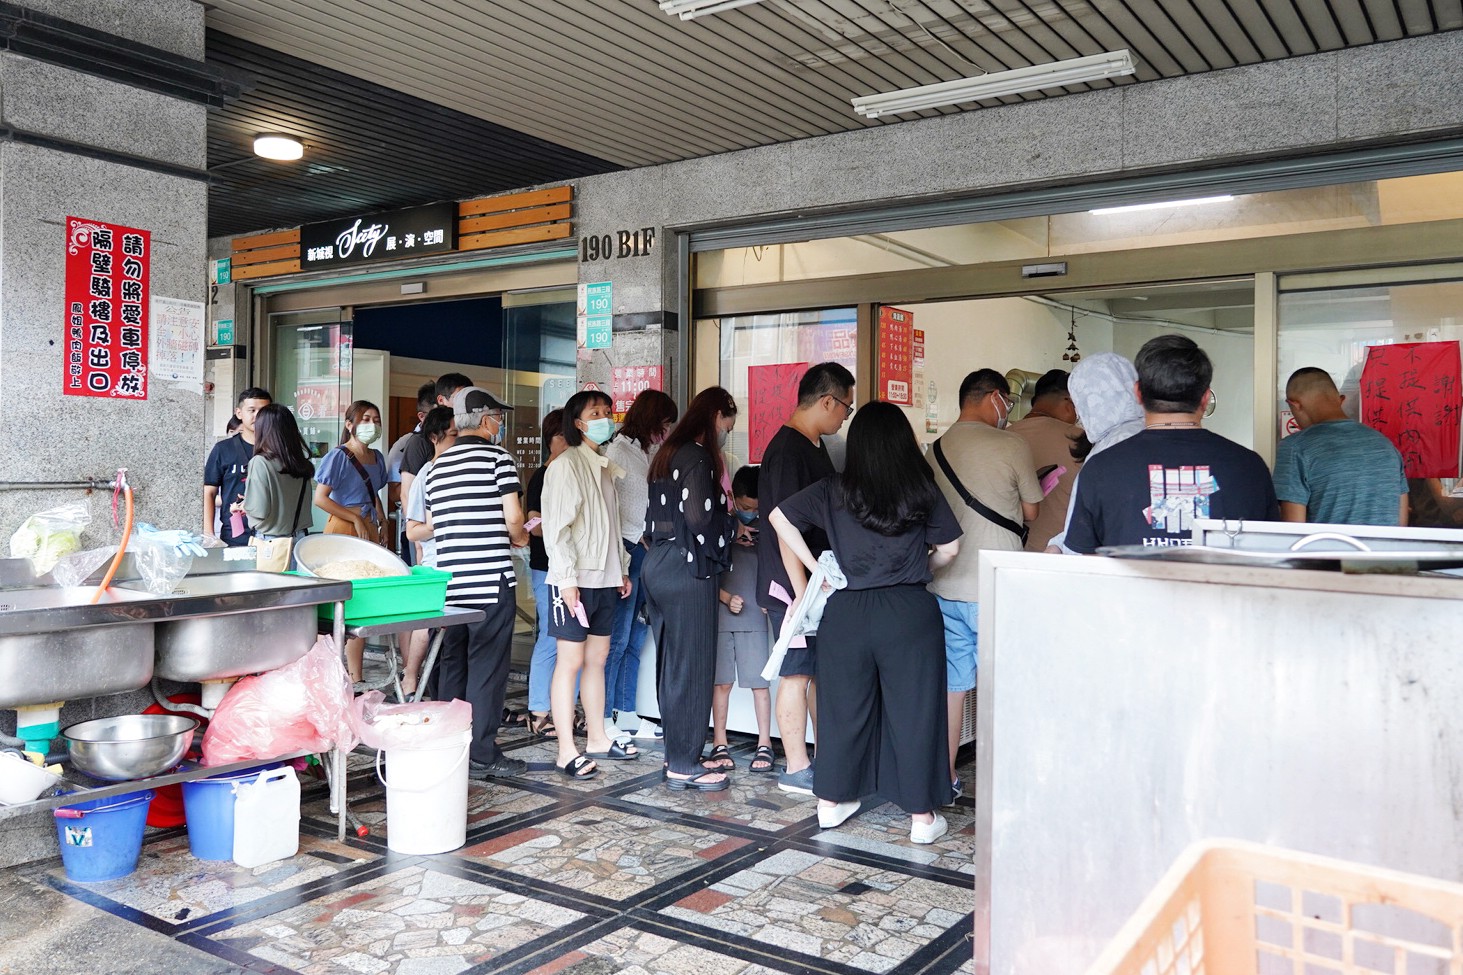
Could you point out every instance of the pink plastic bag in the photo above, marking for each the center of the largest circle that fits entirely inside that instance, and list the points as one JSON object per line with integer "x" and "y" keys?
{"x": 300, "y": 707}
{"x": 386, "y": 726}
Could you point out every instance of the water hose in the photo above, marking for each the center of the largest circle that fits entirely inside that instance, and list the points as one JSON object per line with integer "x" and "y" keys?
{"x": 126, "y": 490}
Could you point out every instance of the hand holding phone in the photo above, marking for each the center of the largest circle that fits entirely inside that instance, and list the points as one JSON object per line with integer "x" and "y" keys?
{"x": 532, "y": 523}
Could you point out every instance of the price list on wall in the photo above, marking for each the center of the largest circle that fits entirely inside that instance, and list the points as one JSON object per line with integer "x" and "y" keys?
{"x": 896, "y": 355}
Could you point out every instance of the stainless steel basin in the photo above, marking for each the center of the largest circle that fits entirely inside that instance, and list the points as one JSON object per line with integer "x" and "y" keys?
{"x": 237, "y": 623}
{"x": 104, "y": 657}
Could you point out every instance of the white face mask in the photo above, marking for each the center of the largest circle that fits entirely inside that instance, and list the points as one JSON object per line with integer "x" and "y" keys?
{"x": 1003, "y": 413}
{"x": 366, "y": 433}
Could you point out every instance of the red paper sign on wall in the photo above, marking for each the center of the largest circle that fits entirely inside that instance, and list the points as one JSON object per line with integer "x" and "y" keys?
{"x": 772, "y": 395}
{"x": 896, "y": 355}
{"x": 1410, "y": 392}
{"x": 106, "y": 310}
{"x": 628, "y": 382}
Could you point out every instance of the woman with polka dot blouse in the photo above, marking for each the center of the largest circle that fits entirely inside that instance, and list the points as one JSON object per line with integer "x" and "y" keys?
{"x": 689, "y": 528}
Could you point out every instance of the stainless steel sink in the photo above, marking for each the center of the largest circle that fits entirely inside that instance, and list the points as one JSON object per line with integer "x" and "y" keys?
{"x": 98, "y": 657}
{"x": 231, "y": 624}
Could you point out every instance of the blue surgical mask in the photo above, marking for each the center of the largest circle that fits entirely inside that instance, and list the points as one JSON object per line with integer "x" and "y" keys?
{"x": 746, "y": 517}
{"x": 599, "y": 430}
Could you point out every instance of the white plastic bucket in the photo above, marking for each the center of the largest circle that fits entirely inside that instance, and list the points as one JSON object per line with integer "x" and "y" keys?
{"x": 426, "y": 796}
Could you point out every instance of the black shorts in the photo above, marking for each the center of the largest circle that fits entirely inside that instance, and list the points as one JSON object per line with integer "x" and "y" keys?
{"x": 799, "y": 661}
{"x": 600, "y": 607}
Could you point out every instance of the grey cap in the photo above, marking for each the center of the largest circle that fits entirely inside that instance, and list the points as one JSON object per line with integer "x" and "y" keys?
{"x": 474, "y": 399}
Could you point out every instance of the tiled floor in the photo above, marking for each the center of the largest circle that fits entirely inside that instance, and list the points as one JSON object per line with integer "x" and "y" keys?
{"x": 611, "y": 876}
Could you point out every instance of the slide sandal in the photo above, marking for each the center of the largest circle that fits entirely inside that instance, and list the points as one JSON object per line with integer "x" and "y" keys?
{"x": 697, "y": 783}
{"x": 617, "y": 752}
{"x": 576, "y": 767}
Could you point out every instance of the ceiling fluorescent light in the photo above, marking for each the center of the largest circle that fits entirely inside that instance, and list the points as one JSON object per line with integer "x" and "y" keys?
{"x": 691, "y": 9}
{"x": 1074, "y": 71}
{"x": 275, "y": 146}
{"x": 1167, "y": 204}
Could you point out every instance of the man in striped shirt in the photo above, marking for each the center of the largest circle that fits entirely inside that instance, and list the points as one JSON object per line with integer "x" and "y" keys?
{"x": 475, "y": 516}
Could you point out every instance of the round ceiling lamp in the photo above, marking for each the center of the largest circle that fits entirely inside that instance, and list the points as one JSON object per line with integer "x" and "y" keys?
{"x": 272, "y": 145}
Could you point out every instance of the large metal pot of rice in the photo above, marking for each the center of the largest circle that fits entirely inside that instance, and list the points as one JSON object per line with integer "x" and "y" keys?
{"x": 346, "y": 557}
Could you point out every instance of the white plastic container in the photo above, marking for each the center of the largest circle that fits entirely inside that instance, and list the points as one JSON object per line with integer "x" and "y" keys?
{"x": 426, "y": 796}
{"x": 21, "y": 780}
{"x": 267, "y": 818}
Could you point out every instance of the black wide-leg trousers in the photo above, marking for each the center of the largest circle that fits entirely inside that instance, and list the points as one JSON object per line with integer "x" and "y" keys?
{"x": 881, "y": 699}
{"x": 682, "y": 612}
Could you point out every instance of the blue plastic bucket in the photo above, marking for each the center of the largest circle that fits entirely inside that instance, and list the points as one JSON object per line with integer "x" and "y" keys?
{"x": 208, "y": 807}
{"x": 102, "y": 839}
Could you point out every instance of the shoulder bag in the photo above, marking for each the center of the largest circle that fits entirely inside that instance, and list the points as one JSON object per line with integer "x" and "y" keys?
{"x": 273, "y": 554}
{"x": 971, "y": 501}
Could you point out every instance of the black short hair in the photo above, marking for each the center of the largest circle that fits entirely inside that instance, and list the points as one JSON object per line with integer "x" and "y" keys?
{"x": 1173, "y": 374}
{"x": 1051, "y": 381}
{"x": 744, "y": 483}
{"x": 980, "y": 384}
{"x": 426, "y": 397}
{"x": 436, "y": 423}
{"x": 450, "y": 383}
{"x": 254, "y": 392}
{"x": 824, "y": 379}
{"x": 578, "y": 403}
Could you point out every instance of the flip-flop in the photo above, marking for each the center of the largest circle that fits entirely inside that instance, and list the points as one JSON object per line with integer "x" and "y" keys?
{"x": 617, "y": 752}
{"x": 696, "y": 783}
{"x": 720, "y": 759}
{"x": 766, "y": 757}
{"x": 575, "y": 768}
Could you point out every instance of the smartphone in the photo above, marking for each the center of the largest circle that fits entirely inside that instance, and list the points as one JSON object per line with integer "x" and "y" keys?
{"x": 532, "y": 523}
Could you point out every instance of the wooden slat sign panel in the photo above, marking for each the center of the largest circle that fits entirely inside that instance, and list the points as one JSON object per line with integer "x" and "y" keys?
{"x": 515, "y": 218}
{"x": 266, "y": 255}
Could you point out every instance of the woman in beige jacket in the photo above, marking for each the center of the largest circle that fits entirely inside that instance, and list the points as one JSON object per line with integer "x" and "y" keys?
{"x": 588, "y": 576}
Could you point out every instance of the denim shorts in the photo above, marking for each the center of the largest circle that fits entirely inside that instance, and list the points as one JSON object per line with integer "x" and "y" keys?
{"x": 961, "y": 620}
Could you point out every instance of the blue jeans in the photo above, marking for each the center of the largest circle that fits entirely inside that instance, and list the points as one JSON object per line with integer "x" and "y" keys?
{"x": 622, "y": 668}
{"x": 545, "y": 647}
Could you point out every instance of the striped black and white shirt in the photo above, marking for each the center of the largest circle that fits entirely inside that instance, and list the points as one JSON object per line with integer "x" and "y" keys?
{"x": 464, "y": 491}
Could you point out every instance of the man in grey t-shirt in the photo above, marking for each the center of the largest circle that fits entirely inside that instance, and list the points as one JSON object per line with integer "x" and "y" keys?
{"x": 1335, "y": 471}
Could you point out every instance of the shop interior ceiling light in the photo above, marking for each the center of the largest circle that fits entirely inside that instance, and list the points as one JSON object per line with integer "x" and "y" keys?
{"x": 1074, "y": 71}
{"x": 272, "y": 145}
{"x": 1165, "y": 205}
{"x": 691, "y": 9}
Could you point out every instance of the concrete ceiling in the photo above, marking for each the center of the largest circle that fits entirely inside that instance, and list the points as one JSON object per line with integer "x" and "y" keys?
{"x": 616, "y": 83}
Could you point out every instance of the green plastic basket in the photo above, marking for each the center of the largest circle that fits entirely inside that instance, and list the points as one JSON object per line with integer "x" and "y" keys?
{"x": 422, "y": 593}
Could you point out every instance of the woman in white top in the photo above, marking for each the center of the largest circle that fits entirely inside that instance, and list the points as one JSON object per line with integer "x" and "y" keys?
{"x": 647, "y": 422}
{"x": 588, "y": 577}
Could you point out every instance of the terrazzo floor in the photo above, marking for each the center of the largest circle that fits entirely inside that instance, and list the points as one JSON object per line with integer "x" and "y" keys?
{"x": 612, "y": 876}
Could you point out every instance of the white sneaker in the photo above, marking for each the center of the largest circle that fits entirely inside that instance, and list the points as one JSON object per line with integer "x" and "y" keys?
{"x": 831, "y": 816}
{"x": 925, "y": 833}
{"x": 647, "y": 729}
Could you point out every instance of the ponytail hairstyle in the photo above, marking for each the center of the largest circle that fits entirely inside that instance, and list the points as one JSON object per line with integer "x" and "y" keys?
{"x": 698, "y": 425}
{"x": 887, "y": 483}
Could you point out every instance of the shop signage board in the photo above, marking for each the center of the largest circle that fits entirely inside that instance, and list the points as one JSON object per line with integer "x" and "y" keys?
{"x": 595, "y": 314}
{"x": 772, "y": 395}
{"x": 896, "y": 355}
{"x": 628, "y": 382}
{"x": 177, "y": 342}
{"x": 222, "y": 271}
{"x": 107, "y": 268}
{"x": 1411, "y": 392}
{"x": 379, "y": 237}
{"x": 224, "y": 332}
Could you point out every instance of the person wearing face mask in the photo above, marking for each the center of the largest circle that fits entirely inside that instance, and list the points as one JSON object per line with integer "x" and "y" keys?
{"x": 690, "y": 528}
{"x": 348, "y": 489}
{"x": 650, "y": 417}
{"x": 987, "y": 475}
{"x": 589, "y": 576}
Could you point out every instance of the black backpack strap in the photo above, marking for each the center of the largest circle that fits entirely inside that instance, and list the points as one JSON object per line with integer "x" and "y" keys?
{"x": 971, "y": 501}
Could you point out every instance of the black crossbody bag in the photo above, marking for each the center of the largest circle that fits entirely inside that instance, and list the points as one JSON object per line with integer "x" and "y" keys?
{"x": 971, "y": 501}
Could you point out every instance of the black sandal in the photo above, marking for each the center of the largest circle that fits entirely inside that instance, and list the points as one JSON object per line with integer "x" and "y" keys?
{"x": 514, "y": 719}
{"x": 575, "y": 768}
{"x": 720, "y": 759}
{"x": 617, "y": 752}
{"x": 767, "y": 759}
{"x": 581, "y": 726}
{"x": 697, "y": 783}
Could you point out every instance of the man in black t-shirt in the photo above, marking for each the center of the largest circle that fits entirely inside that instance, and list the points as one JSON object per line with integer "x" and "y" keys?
{"x": 224, "y": 473}
{"x": 794, "y": 459}
{"x": 419, "y": 449}
{"x": 1149, "y": 489}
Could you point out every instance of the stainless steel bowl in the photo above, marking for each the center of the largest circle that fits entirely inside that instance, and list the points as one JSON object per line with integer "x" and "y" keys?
{"x": 313, "y": 551}
{"x": 129, "y": 746}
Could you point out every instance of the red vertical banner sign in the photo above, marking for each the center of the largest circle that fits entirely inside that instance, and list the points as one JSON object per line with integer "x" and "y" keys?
{"x": 1410, "y": 392}
{"x": 106, "y": 309}
{"x": 896, "y": 355}
{"x": 772, "y": 395}
{"x": 628, "y": 382}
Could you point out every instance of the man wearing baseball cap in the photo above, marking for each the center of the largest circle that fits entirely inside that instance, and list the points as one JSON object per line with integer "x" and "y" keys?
{"x": 476, "y": 518}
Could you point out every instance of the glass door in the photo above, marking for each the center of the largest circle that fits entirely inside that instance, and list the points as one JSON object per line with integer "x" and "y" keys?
{"x": 312, "y": 354}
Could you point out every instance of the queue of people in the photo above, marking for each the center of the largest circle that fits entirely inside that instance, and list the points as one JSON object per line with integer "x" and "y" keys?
{"x": 649, "y": 529}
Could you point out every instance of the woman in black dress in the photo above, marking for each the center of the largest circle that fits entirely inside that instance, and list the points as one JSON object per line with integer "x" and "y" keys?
{"x": 881, "y": 642}
{"x": 688, "y": 526}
